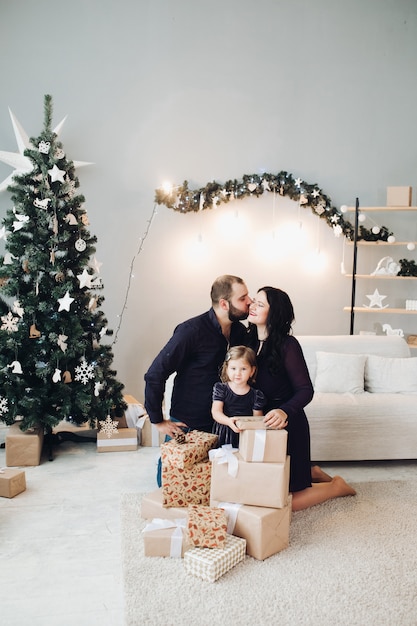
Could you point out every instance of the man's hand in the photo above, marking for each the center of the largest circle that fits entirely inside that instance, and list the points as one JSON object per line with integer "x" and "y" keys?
{"x": 167, "y": 427}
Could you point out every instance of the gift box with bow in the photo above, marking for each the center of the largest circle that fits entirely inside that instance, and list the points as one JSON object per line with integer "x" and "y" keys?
{"x": 256, "y": 484}
{"x": 164, "y": 537}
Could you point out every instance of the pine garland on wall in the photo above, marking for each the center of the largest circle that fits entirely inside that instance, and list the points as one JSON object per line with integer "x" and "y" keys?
{"x": 183, "y": 199}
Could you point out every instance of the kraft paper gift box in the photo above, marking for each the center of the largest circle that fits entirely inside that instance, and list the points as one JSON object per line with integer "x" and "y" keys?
{"x": 164, "y": 537}
{"x": 206, "y": 526}
{"x": 251, "y": 422}
{"x": 23, "y": 448}
{"x": 152, "y": 506}
{"x": 121, "y": 441}
{"x": 193, "y": 450}
{"x": 12, "y": 482}
{"x": 210, "y": 564}
{"x": 149, "y": 435}
{"x": 257, "y": 484}
{"x": 191, "y": 485}
{"x": 263, "y": 446}
{"x": 266, "y": 530}
{"x": 399, "y": 196}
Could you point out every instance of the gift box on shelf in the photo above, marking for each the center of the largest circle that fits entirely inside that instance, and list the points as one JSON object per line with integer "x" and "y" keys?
{"x": 121, "y": 440}
{"x": 165, "y": 537}
{"x": 191, "y": 485}
{"x": 191, "y": 449}
{"x": 210, "y": 564}
{"x": 12, "y": 482}
{"x": 206, "y": 526}
{"x": 23, "y": 448}
{"x": 399, "y": 196}
{"x": 251, "y": 422}
{"x": 152, "y": 505}
{"x": 149, "y": 435}
{"x": 266, "y": 530}
{"x": 263, "y": 446}
{"x": 256, "y": 484}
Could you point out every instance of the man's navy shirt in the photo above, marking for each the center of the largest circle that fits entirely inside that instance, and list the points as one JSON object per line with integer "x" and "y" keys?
{"x": 196, "y": 352}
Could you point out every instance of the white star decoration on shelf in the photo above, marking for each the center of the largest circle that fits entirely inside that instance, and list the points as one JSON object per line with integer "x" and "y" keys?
{"x": 65, "y": 302}
{"x": 20, "y": 163}
{"x": 108, "y": 427}
{"x": 375, "y": 300}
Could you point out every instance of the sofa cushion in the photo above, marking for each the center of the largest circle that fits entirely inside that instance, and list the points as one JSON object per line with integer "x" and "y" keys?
{"x": 339, "y": 373}
{"x": 390, "y": 375}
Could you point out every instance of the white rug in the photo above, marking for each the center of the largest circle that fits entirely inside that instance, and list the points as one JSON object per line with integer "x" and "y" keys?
{"x": 351, "y": 561}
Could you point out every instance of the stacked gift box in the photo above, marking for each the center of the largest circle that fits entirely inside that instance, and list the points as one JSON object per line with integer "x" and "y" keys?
{"x": 251, "y": 484}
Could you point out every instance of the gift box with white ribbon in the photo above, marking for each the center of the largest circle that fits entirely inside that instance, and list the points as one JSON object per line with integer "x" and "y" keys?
{"x": 263, "y": 446}
{"x": 165, "y": 537}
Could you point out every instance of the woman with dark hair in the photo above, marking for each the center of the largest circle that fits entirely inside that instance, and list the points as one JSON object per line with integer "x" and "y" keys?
{"x": 284, "y": 379}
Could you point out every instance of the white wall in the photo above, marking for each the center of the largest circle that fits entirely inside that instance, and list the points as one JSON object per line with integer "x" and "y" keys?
{"x": 185, "y": 89}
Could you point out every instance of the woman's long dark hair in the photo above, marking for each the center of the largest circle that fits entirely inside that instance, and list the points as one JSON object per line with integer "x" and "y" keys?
{"x": 278, "y": 325}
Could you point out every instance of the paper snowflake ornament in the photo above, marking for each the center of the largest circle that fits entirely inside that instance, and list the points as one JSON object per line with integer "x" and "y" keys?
{"x": 375, "y": 300}
{"x": 65, "y": 302}
{"x": 4, "y": 406}
{"x": 108, "y": 427}
{"x": 84, "y": 372}
{"x": 9, "y": 322}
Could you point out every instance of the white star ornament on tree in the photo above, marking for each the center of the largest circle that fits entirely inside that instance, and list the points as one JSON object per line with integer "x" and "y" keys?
{"x": 85, "y": 279}
{"x": 56, "y": 174}
{"x": 65, "y": 302}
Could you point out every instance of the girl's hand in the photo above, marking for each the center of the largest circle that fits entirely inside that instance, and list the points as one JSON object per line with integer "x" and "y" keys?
{"x": 276, "y": 419}
{"x": 232, "y": 424}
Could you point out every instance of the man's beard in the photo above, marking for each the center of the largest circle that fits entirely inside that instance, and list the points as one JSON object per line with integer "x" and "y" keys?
{"x": 236, "y": 315}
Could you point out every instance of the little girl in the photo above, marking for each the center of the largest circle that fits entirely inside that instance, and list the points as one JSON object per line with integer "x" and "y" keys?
{"x": 234, "y": 397}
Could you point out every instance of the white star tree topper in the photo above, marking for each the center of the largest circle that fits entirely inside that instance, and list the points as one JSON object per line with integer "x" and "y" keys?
{"x": 20, "y": 163}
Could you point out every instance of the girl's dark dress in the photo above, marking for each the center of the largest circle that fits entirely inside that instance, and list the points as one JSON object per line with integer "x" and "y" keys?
{"x": 290, "y": 389}
{"x": 233, "y": 405}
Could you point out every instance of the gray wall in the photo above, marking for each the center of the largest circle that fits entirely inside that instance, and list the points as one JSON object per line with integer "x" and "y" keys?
{"x": 202, "y": 91}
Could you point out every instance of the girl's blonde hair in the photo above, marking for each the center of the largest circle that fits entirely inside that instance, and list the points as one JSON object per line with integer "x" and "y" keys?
{"x": 239, "y": 352}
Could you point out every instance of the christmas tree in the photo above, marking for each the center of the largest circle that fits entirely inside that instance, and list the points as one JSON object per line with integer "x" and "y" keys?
{"x": 54, "y": 364}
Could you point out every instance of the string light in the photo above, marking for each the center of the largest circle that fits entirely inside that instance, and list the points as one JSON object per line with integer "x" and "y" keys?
{"x": 131, "y": 274}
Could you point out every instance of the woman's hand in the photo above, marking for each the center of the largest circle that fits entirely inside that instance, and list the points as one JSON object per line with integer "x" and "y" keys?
{"x": 276, "y": 419}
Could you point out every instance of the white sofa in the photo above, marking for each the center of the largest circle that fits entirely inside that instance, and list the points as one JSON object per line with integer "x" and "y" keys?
{"x": 365, "y": 400}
